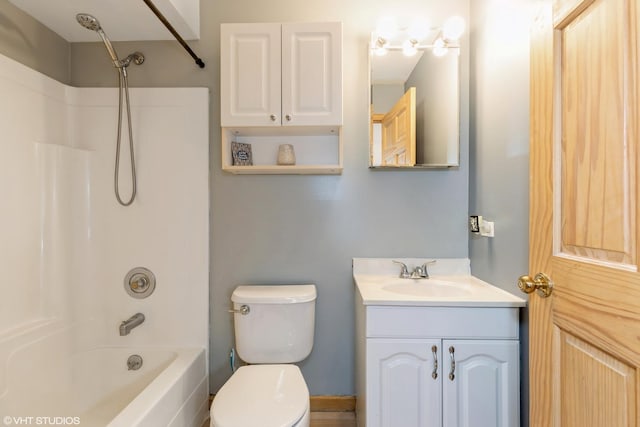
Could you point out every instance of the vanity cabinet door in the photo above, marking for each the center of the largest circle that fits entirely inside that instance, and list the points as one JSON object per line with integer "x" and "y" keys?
{"x": 480, "y": 383}
{"x": 402, "y": 389}
{"x": 250, "y": 73}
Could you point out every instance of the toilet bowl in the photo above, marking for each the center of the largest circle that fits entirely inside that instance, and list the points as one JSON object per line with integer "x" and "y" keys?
{"x": 262, "y": 396}
{"x": 274, "y": 328}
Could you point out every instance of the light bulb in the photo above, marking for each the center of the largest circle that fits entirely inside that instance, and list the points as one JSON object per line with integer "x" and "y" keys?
{"x": 409, "y": 47}
{"x": 453, "y": 28}
{"x": 439, "y": 47}
{"x": 380, "y": 51}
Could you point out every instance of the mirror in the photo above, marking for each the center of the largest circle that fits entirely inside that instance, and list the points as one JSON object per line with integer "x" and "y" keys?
{"x": 415, "y": 120}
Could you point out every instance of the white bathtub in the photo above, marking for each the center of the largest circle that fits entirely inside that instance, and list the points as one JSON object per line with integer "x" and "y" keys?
{"x": 94, "y": 388}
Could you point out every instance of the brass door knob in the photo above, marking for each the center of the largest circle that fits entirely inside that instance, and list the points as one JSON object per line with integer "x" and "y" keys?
{"x": 540, "y": 283}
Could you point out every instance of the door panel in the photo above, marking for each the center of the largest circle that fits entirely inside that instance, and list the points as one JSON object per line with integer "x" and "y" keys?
{"x": 250, "y": 74}
{"x": 401, "y": 389}
{"x": 399, "y": 132}
{"x": 484, "y": 388}
{"x": 588, "y": 375}
{"x": 597, "y": 187}
{"x": 312, "y": 73}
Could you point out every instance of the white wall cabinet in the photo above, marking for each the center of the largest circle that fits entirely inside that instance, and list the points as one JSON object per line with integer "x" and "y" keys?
{"x": 282, "y": 80}
{"x": 446, "y": 366}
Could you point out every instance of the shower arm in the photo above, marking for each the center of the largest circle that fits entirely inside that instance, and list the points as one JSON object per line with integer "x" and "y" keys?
{"x": 167, "y": 24}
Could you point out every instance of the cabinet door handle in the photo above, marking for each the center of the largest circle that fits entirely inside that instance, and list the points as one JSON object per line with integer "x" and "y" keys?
{"x": 273, "y": 117}
{"x": 434, "y": 350}
{"x": 452, "y": 372}
{"x": 288, "y": 117}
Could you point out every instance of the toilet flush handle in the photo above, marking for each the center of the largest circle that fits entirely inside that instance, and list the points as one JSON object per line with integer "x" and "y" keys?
{"x": 244, "y": 310}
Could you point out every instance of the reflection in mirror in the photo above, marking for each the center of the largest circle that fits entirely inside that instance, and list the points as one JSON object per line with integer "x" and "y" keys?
{"x": 415, "y": 109}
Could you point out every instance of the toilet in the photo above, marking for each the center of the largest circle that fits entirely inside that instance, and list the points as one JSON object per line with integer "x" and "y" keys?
{"x": 274, "y": 327}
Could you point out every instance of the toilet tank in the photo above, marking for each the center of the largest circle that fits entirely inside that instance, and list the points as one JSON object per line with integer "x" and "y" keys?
{"x": 279, "y": 324}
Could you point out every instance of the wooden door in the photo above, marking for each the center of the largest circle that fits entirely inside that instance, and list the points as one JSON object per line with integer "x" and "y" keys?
{"x": 312, "y": 74}
{"x": 399, "y": 132}
{"x": 585, "y": 337}
{"x": 250, "y": 88}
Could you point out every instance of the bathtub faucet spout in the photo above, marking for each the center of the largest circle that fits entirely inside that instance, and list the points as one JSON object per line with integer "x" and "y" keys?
{"x": 127, "y": 325}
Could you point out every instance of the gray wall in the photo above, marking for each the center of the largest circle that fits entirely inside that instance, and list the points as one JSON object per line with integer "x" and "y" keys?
{"x": 499, "y": 149}
{"x": 385, "y": 96}
{"x": 297, "y": 229}
{"x": 25, "y": 40}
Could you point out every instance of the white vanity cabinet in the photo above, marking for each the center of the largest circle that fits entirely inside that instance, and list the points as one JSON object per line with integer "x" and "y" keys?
{"x": 282, "y": 83}
{"x": 421, "y": 366}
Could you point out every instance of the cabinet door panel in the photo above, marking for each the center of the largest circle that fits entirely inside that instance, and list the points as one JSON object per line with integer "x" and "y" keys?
{"x": 401, "y": 390}
{"x": 312, "y": 74}
{"x": 250, "y": 74}
{"x": 484, "y": 391}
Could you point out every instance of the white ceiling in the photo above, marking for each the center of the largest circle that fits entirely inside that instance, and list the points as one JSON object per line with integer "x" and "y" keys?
{"x": 121, "y": 20}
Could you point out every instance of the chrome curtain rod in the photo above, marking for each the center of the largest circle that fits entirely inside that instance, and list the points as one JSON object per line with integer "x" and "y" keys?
{"x": 167, "y": 24}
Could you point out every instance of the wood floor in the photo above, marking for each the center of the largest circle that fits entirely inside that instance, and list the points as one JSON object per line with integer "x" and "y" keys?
{"x": 333, "y": 419}
{"x": 327, "y": 419}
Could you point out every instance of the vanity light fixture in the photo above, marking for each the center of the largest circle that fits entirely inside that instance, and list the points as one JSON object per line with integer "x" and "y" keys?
{"x": 388, "y": 36}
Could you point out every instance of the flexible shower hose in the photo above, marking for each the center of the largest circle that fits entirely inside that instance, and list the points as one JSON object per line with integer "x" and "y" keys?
{"x": 123, "y": 86}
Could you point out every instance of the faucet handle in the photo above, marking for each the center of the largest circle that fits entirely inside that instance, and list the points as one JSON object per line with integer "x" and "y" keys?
{"x": 425, "y": 272}
{"x": 404, "y": 271}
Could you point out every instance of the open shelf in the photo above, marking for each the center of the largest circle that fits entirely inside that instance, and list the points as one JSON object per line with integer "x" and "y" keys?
{"x": 318, "y": 150}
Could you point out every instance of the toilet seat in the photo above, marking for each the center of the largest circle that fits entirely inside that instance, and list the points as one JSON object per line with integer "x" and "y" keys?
{"x": 261, "y": 396}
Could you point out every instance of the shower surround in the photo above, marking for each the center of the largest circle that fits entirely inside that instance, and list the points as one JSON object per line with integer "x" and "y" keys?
{"x": 66, "y": 244}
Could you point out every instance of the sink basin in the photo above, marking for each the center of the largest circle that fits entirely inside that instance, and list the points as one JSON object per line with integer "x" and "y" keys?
{"x": 428, "y": 288}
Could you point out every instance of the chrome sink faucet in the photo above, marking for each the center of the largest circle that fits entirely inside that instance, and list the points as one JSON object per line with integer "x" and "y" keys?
{"x": 132, "y": 322}
{"x": 419, "y": 272}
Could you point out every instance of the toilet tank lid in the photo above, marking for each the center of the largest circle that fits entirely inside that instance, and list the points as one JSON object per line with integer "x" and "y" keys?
{"x": 274, "y": 294}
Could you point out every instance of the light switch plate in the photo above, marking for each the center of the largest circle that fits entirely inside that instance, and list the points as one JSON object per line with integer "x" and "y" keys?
{"x": 486, "y": 228}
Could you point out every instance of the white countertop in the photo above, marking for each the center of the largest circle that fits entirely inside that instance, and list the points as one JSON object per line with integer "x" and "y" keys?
{"x": 450, "y": 285}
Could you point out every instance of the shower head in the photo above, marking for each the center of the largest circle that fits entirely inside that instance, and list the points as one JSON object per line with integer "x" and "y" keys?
{"x": 91, "y": 23}
{"x": 88, "y": 21}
